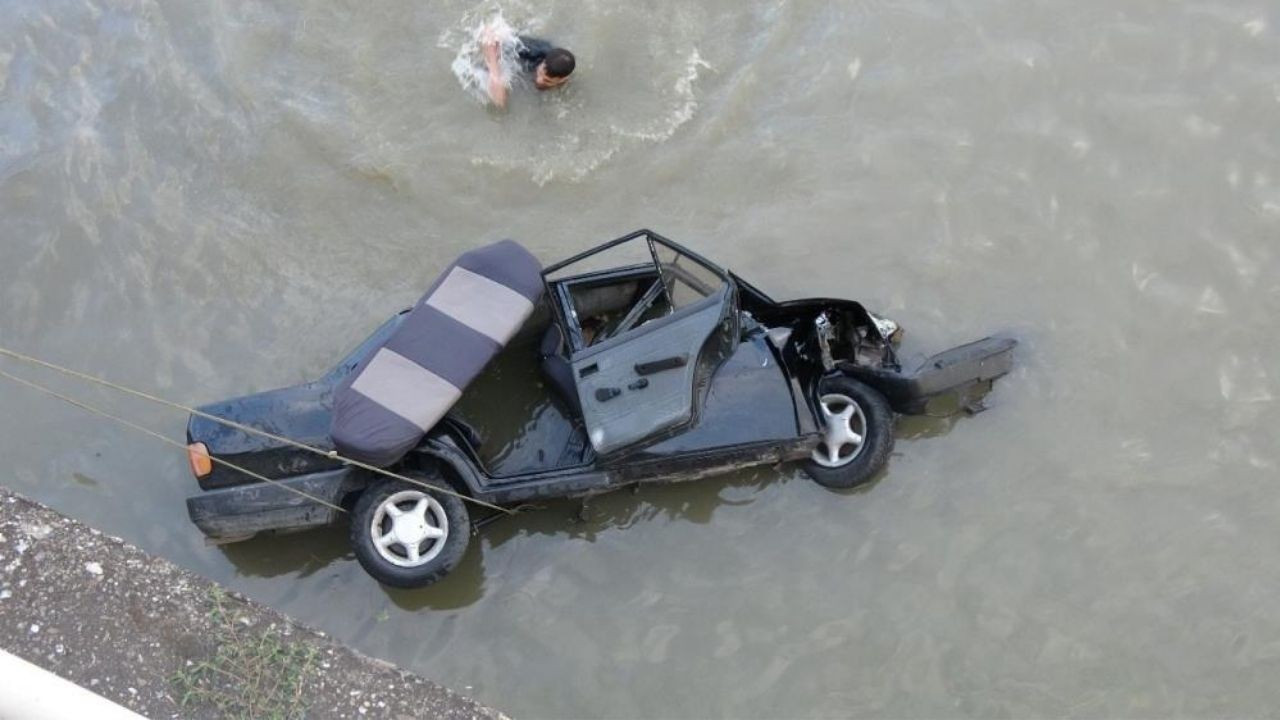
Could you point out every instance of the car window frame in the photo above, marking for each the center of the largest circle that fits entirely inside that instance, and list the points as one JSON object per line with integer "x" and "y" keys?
{"x": 566, "y": 314}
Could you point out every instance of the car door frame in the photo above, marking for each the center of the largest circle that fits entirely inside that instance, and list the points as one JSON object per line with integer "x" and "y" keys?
{"x": 716, "y": 347}
{"x": 559, "y": 301}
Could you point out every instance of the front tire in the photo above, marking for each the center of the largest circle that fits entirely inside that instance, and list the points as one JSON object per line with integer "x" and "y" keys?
{"x": 857, "y": 434}
{"x": 407, "y": 535}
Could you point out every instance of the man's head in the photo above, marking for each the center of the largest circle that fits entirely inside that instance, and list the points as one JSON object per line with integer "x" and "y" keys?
{"x": 554, "y": 70}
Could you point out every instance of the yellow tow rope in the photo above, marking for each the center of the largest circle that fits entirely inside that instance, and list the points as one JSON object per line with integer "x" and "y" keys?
{"x": 330, "y": 454}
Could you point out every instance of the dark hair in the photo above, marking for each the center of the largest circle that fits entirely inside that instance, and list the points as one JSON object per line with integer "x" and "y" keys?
{"x": 559, "y": 62}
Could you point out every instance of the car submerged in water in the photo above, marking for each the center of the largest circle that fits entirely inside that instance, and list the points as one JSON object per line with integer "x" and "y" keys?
{"x": 638, "y": 361}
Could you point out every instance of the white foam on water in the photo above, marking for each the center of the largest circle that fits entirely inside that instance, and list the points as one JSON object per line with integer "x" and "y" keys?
{"x": 1211, "y": 302}
{"x": 583, "y": 146}
{"x": 470, "y": 67}
{"x": 1142, "y": 277}
{"x": 568, "y": 134}
{"x": 1246, "y": 268}
{"x": 1244, "y": 380}
{"x": 855, "y": 68}
{"x": 682, "y": 111}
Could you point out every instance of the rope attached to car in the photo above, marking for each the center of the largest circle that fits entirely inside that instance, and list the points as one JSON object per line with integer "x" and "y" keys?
{"x": 163, "y": 439}
{"x": 330, "y": 454}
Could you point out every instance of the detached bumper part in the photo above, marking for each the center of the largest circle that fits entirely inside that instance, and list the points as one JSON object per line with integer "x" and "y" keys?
{"x": 953, "y": 370}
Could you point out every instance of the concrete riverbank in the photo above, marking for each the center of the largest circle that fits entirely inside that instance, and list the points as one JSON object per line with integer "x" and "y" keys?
{"x": 163, "y": 642}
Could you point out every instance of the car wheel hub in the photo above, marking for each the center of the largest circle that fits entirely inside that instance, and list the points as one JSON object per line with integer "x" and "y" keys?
{"x": 409, "y": 528}
{"x": 844, "y": 432}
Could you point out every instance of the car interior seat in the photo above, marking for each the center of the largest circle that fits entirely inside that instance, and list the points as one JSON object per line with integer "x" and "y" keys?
{"x": 557, "y": 370}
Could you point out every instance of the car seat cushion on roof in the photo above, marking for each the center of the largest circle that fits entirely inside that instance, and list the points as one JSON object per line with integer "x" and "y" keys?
{"x": 403, "y": 387}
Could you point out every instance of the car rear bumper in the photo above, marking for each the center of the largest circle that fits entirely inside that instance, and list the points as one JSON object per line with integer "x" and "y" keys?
{"x": 954, "y": 370}
{"x": 239, "y": 512}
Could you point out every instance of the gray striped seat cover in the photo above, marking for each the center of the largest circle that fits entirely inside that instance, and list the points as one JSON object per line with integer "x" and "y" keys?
{"x": 403, "y": 388}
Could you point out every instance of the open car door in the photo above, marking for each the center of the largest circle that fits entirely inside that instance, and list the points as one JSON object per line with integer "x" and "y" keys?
{"x": 645, "y": 332}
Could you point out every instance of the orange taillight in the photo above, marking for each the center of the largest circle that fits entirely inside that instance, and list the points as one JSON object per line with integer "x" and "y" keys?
{"x": 198, "y": 456}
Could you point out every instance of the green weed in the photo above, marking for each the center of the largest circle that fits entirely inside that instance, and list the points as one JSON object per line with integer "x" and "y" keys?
{"x": 253, "y": 673}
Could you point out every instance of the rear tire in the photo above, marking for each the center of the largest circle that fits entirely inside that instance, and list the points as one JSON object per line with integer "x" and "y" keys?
{"x": 407, "y": 535}
{"x": 858, "y": 434}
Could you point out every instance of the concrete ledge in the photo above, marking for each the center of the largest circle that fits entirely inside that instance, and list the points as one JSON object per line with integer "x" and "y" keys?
{"x": 33, "y": 693}
{"x": 163, "y": 642}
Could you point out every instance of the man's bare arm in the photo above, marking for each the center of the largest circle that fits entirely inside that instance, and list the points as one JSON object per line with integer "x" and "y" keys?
{"x": 493, "y": 60}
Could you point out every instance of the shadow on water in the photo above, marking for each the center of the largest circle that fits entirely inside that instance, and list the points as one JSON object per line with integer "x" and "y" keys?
{"x": 302, "y": 553}
{"x": 618, "y": 510}
{"x": 912, "y": 427}
{"x": 306, "y": 553}
{"x": 942, "y": 413}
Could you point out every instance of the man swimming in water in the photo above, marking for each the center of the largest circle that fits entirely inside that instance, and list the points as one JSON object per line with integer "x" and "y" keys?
{"x": 549, "y": 65}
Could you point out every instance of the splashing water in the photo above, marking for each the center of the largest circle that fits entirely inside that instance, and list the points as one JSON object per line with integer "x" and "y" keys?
{"x": 470, "y": 67}
{"x": 629, "y": 91}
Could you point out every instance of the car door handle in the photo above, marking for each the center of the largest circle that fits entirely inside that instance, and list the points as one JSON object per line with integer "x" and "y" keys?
{"x": 668, "y": 363}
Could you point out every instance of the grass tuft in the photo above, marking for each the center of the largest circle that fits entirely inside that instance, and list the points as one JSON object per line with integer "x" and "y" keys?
{"x": 252, "y": 674}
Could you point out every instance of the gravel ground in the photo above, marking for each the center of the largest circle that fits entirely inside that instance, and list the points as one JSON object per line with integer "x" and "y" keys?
{"x": 144, "y": 633}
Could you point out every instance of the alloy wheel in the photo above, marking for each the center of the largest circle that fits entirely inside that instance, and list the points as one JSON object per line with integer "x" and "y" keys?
{"x": 844, "y": 433}
{"x": 409, "y": 528}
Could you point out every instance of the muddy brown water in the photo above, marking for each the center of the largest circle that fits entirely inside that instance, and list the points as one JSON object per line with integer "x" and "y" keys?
{"x": 205, "y": 199}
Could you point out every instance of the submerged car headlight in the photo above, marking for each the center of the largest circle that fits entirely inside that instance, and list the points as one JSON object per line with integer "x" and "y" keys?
{"x": 888, "y": 329}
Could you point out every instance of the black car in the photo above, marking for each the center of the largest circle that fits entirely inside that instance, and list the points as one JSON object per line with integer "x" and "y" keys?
{"x": 638, "y": 361}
